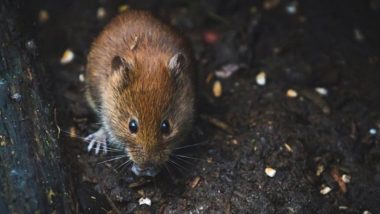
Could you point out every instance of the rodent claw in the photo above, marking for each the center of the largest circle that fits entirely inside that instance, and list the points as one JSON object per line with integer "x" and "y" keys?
{"x": 98, "y": 138}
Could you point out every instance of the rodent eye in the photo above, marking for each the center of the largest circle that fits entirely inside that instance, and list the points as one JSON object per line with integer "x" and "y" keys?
{"x": 133, "y": 127}
{"x": 165, "y": 127}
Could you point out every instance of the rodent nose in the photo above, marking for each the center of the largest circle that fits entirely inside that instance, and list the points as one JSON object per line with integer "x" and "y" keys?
{"x": 150, "y": 171}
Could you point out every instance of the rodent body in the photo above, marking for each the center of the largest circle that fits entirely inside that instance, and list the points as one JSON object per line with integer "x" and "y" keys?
{"x": 140, "y": 82}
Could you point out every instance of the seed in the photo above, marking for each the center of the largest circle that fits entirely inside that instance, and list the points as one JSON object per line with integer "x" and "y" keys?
{"x": 101, "y": 13}
{"x": 291, "y": 93}
{"x": 270, "y": 172}
{"x": 261, "y": 78}
{"x": 67, "y": 56}
{"x": 217, "y": 88}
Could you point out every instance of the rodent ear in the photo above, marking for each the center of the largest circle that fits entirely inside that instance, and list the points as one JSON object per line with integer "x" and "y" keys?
{"x": 120, "y": 64}
{"x": 177, "y": 63}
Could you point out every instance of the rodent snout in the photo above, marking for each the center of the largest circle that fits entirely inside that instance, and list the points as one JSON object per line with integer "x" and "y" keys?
{"x": 150, "y": 171}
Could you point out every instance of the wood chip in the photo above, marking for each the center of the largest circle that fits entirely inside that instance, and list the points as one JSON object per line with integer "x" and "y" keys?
{"x": 288, "y": 147}
{"x": 195, "y": 182}
{"x": 337, "y": 178}
{"x": 325, "y": 190}
{"x": 270, "y": 172}
{"x": 217, "y": 88}
{"x": 73, "y": 132}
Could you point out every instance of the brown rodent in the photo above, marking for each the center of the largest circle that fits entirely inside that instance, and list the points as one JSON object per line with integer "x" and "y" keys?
{"x": 140, "y": 82}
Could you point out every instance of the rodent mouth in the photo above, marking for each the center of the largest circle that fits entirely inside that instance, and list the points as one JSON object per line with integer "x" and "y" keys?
{"x": 150, "y": 171}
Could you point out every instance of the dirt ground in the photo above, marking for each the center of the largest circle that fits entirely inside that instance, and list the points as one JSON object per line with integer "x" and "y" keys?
{"x": 324, "y": 147}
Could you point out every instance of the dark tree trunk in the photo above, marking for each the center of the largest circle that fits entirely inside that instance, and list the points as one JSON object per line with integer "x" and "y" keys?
{"x": 32, "y": 179}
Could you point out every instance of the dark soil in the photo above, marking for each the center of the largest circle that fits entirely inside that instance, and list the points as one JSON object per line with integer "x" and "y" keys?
{"x": 311, "y": 140}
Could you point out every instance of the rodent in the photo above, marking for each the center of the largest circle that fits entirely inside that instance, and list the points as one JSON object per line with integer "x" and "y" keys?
{"x": 140, "y": 82}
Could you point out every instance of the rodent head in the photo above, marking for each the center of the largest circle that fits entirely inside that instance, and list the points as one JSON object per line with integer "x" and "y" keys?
{"x": 148, "y": 108}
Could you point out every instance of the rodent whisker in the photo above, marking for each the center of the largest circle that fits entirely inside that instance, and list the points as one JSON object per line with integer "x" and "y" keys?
{"x": 113, "y": 159}
{"x": 177, "y": 164}
{"x": 184, "y": 161}
{"x": 192, "y": 145}
{"x": 126, "y": 163}
{"x": 188, "y": 157}
{"x": 169, "y": 171}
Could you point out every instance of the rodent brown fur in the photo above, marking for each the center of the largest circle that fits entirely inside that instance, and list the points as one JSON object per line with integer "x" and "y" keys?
{"x": 141, "y": 68}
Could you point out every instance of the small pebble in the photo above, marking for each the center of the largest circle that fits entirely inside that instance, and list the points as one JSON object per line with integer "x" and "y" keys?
{"x": 101, "y": 13}
{"x": 325, "y": 190}
{"x": 291, "y": 8}
{"x": 145, "y": 201}
{"x": 16, "y": 97}
{"x": 123, "y": 8}
{"x": 217, "y": 88}
{"x": 81, "y": 77}
{"x": 320, "y": 169}
{"x": 372, "y": 131}
{"x": 358, "y": 35}
{"x": 261, "y": 78}
{"x": 43, "y": 16}
{"x": 321, "y": 91}
{"x": 346, "y": 178}
{"x": 291, "y": 93}
{"x": 270, "y": 172}
{"x": 67, "y": 56}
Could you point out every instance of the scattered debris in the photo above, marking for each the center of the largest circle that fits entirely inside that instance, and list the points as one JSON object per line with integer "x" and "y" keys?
{"x": 217, "y": 88}
{"x": 325, "y": 190}
{"x": 217, "y": 123}
{"x": 145, "y": 201}
{"x": 16, "y": 97}
{"x": 343, "y": 207}
{"x": 101, "y": 13}
{"x": 291, "y": 8}
{"x": 372, "y": 131}
{"x": 261, "y": 78}
{"x": 195, "y": 182}
{"x": 270, "y": 172}
{"x": 358, "y": 35}
{"x": 317, "y": 100}
{"x": 123, "y": 8}
{"x": 321, "y": 91}
{"x": 81, "y": 77}
{"x": 211, "y": 37}
{"x": 270, "y": 4}
{"x": 73, "y": 132}
{"x": 337, "y": 178}
{"x": 288, "y": 147}
{"x": 43, "y": 16}
{"x": 346, "y": 178}
{"x": 291, "y": 93}
{"x": 67, "y": 57}
{"x": 226, "y": 71}
{"x": 320, "y": 169}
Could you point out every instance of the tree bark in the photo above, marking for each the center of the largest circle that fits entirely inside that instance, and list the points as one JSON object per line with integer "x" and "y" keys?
{"x": 32, "y": 179}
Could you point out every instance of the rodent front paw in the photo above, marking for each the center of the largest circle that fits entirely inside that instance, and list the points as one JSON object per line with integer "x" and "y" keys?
{"x": 99, "y": 139}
